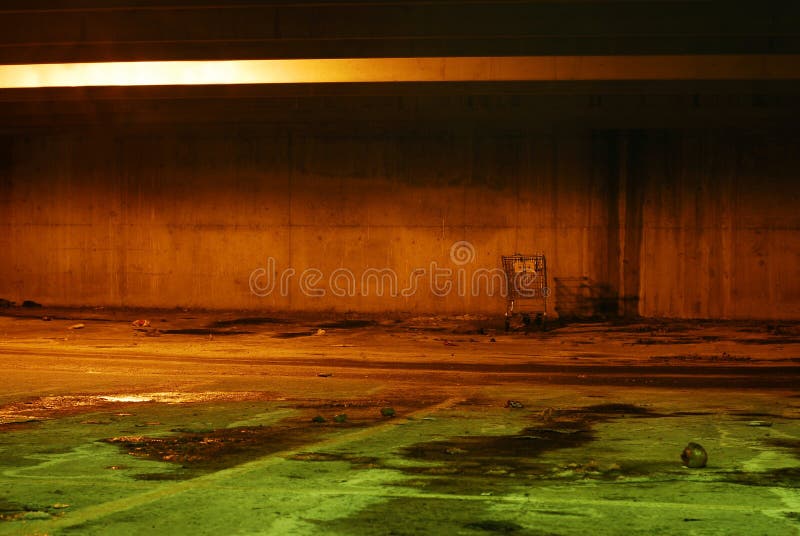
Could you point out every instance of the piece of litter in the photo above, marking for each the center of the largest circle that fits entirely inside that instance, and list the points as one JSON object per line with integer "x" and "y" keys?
{"x": 77, "y": 326}
{"x": 141, "y": 323}
{"x": 320, "y": 331}
{"x": 325, "y": 374}
{"x": 694, "y": 456}
{"x": 514, "y": 404}
{"x": 759, "y": 423}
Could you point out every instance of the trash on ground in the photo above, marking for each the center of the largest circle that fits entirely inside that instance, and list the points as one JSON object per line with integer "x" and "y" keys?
{"x": 141, "y": 323}
{"x": 759, "y": 423}
{"x": 694, "y": 456}
{"x": 77, "y": 326}
{"x": 388, "y": 412}
{"x": 325, "y": 374}
{"x": 320, "y": 331}
{"x": 46, "y": 318}
{"x": 513, "y": 404}
{"x": 35, "y": 515}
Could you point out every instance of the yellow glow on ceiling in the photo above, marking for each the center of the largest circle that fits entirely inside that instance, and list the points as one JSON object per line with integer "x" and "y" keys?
{"x": 449, "y": 69}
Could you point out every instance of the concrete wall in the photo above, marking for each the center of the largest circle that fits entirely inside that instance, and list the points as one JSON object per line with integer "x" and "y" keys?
{"x": 720, "y": 224}
{"x": 679, "y": 223}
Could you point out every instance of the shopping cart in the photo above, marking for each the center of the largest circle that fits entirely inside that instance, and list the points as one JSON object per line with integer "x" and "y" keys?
{"x": 526, "y": 286}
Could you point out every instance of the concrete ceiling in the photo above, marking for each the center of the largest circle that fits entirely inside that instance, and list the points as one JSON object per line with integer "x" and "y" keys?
{"x": 762, "y": 33}
{"x": 45, "y": 31}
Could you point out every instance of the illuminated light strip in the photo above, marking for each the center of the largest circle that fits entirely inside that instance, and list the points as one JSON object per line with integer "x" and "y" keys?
{"x": 440, "y": 69}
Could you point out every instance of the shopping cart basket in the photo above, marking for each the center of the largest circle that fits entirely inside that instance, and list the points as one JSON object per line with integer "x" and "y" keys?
{"x": 527, "y": 291}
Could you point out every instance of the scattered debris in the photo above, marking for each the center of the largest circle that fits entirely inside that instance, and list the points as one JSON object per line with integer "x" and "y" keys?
{"x": 513, "y": 404}
{"x": 613, "y": 467}
{"x": 388, "y": 412}
{"x": 77, "y": 326}
{"x": 325, "y": 374}
{"x": 572, "y": 469}
{"x": 31, "y": 303}
{"x": 318, "y": 418}
{"x": 694, "y": 456}
{"x": 140, "y": 324}
{"x": 35, "y": 515}
{"x": 319, "y": 332}
{"x": 759, "y": 423}
{"x": 342, "y": 417}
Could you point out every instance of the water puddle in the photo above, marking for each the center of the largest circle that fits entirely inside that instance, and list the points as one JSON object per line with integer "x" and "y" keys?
{"x": 50, "y": 407}
{"x": 248, "y": 321}
{"x": 198, "y": 452}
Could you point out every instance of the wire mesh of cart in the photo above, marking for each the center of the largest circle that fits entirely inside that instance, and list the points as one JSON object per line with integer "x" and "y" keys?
{"x": 526, "y": 288}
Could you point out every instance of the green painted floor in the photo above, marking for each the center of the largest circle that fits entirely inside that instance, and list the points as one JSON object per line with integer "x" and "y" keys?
{"x": 456, "y": 467}
{"x": 106, "y": 434}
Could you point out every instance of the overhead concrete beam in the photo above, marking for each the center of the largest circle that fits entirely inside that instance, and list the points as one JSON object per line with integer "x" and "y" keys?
{"x": 427, "y": 69}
